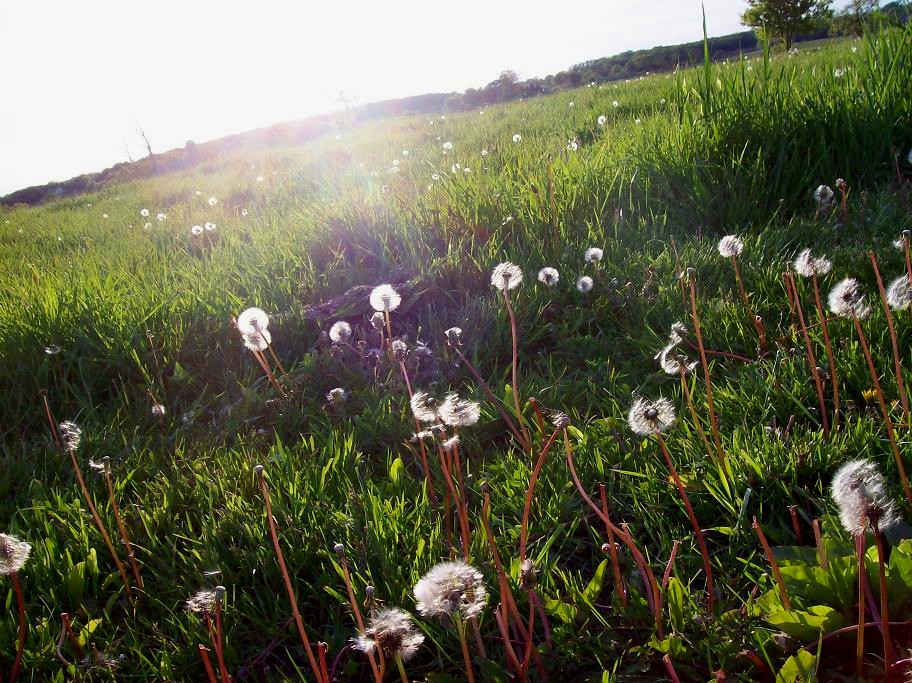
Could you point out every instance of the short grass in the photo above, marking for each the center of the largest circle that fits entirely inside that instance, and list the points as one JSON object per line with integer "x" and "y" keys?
{"x": 141, "y": 312}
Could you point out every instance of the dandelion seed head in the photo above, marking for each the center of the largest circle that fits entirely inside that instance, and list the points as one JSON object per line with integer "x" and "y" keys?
{"x": 458, "y": 412}
{"x": 594, "y": 255}
{"x": 824, "y": 196}
{"x": 731, "y": 245}
{"x": 585, "y": 284}
{"x": 160, "y": 217}
{"x": 860, "y": 492}
{"x": 548, "y": 276}
{"x": 506, "y": 276}
{"x": 451, "y": 589}
{"x": 392, "y": 631}
{"x": 209, "y": 227}
{"x": 14, "y": 553}
{"x": 377, "y": 321}
{"x": 158, "y": 410}
{"x": 517, "y": 137}
{"x": 447, "y": 146}
{"x": 71, "y": 434}
{"x": 144, "y": 213}
{"x": 807, "y": 266}
{"x": 424, "y": 406}
{"x": 385, "y": 298}
{"x": 340, "y": 332}
{"x": 846, "y": 300}
{"x": 337, "y": 396}
{"x": 648, "y": 417}
{"x": 899, "y": 293}
{"x": 400, "y": 349}
{"x": 196, "y": 230}
{"x": 602, "y": 120}
{"x": 52, "y": 350}
{"x": 451, "y": 444}
{"x": 453, "y": 335}
{"x": 252, "y": 320}
{"x": 257, "y": 341}
{"x": 213, "y": 201}
{"x": 204, "y": 602}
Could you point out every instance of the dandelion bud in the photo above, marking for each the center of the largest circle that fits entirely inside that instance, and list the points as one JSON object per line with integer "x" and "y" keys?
{"x": 340, "y": 332}
{"x": 528, "y": 574}
{"x": 14, "y": 553}
{"x": 841, "y": 184}
{"x": 606, "y": 548}
{"x": 506, "y": 276}
{"x": 258, "y": 470}
{"x": 560, "y": 420}
{"x": 691, "y": 274}
{"x": 649, "y": 417}
{"x": 339, "y": 549}
{"x": 730, "y": 246}
{"x": 847, "y": 301}
{"x": 822, "y": 373}
{"x": 219, "y": 593}
{"x": 369, "y": 592}
{"x": 548, "y": 276}
{"x": 384, "y": 298}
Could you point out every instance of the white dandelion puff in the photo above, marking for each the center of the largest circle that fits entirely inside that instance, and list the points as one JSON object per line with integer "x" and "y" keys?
{"x": 593, "y": 255}
{"x": 391, "y": 631}
{"x": 517, "y": 137}
{"x": 807, "y": 265}
{"x": 340, "y": 332}
{"x": 213, "y": 201}
{"x": 158, "y": 410}
{"x": 447, "y": 146}
{"x": 337, "y": 396}
{"x": 602, "y": 120}
{"x": 71, "y": 434}
{"x": 384, "y": 298}
{"x": 458, "y": 412}
{"x": 144, "y": 213}
{"x": 899, "y": 293}
{"x": 424, "y": 406}
{"x": 160, "y": 217}
{"x": 548, "y": 276}
{"x": 205, "y": 601}
{"x": 257, "y": 341}
{"x": 585, "y": 284}
{"x": 252, "y": 320}
{"x": 14, "y": 553}
{"x": 209, "y": 227}
{"x": 846, "y": 300}
{"x": 860, "y": 492}
{"x": 731, "y": 245}
{"x": 824, "y": 196}
{"x": 648, "y": 417}
{"x": 451, "y": 590}
{"x": 196, "y": 230}
{"x": 506, "y": 276}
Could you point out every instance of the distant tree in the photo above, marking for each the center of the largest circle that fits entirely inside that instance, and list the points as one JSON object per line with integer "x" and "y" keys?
{"x": 784, "y": 19}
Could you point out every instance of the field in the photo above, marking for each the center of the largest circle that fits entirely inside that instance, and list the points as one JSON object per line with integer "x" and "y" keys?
{"x": 124, "y": 323}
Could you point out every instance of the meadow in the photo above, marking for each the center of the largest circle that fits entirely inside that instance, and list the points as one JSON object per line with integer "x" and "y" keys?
{"x": 120, "y": 314}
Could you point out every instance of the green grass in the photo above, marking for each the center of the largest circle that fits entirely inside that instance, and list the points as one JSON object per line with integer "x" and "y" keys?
{"x": 682, "y": 160}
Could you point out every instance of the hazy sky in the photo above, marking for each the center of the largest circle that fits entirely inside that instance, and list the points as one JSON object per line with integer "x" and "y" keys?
{"x": 78, "y": 77}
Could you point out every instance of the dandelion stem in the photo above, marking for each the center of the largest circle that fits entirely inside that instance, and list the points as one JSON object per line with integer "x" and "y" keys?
{"x": 701, "y": 542}
{"x": 505, "y": 637}
{"x": 888, "y": 423}
{"x": 796, "y": 528}
{"x": 889, "y": 654}
{"x": 774, "y": 566}
{"x": 496, "y": 402}
{"x": 530, "y": 492}
{"x": 389, "y": 330}
{"x": 619, "y": 589}
{"x": 52, "y": 423}
{"x": 277, "y": 361}
{"x": 713, "y": 420}
{"x": 906, "y": 251}
{"x": 125, "y": 539}
{"x": 422, "y": 450}
{"x": 288, "y": 587}
{"x": 207, "y": 665}
{"x": 218, "y": 644}
{"x": 812, "y": 361}
{"x": 755, "y": 319}
{"x": 859, "y": 640}
{"x": 788, "y": 291}
{"x": 897, "y": 365}
{"x": 527, "y": 440}
{"x": 831, "y": 358}
{"x": 470, "y": 674}
{"x": 23, "y": 627}
{"x": 669, "y": 667}
{"x": 666, "y": 577}
{"x": 399, "y": 665}
{"x": 685, "y": 386}
{"x": 265, "y": 365}
{"x": 322, "y": 649}
{"x": 100, "y": 525}
{"x": 821, "y": 549}
{"x": 463, "y": 520}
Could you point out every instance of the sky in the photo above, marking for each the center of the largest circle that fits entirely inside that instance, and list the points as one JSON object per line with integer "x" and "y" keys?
{"x": 80, "y": 78}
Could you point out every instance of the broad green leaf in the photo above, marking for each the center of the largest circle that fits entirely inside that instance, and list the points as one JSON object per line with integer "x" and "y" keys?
{"x": 801, "y": 668}
{"x": 806, "y": 625}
